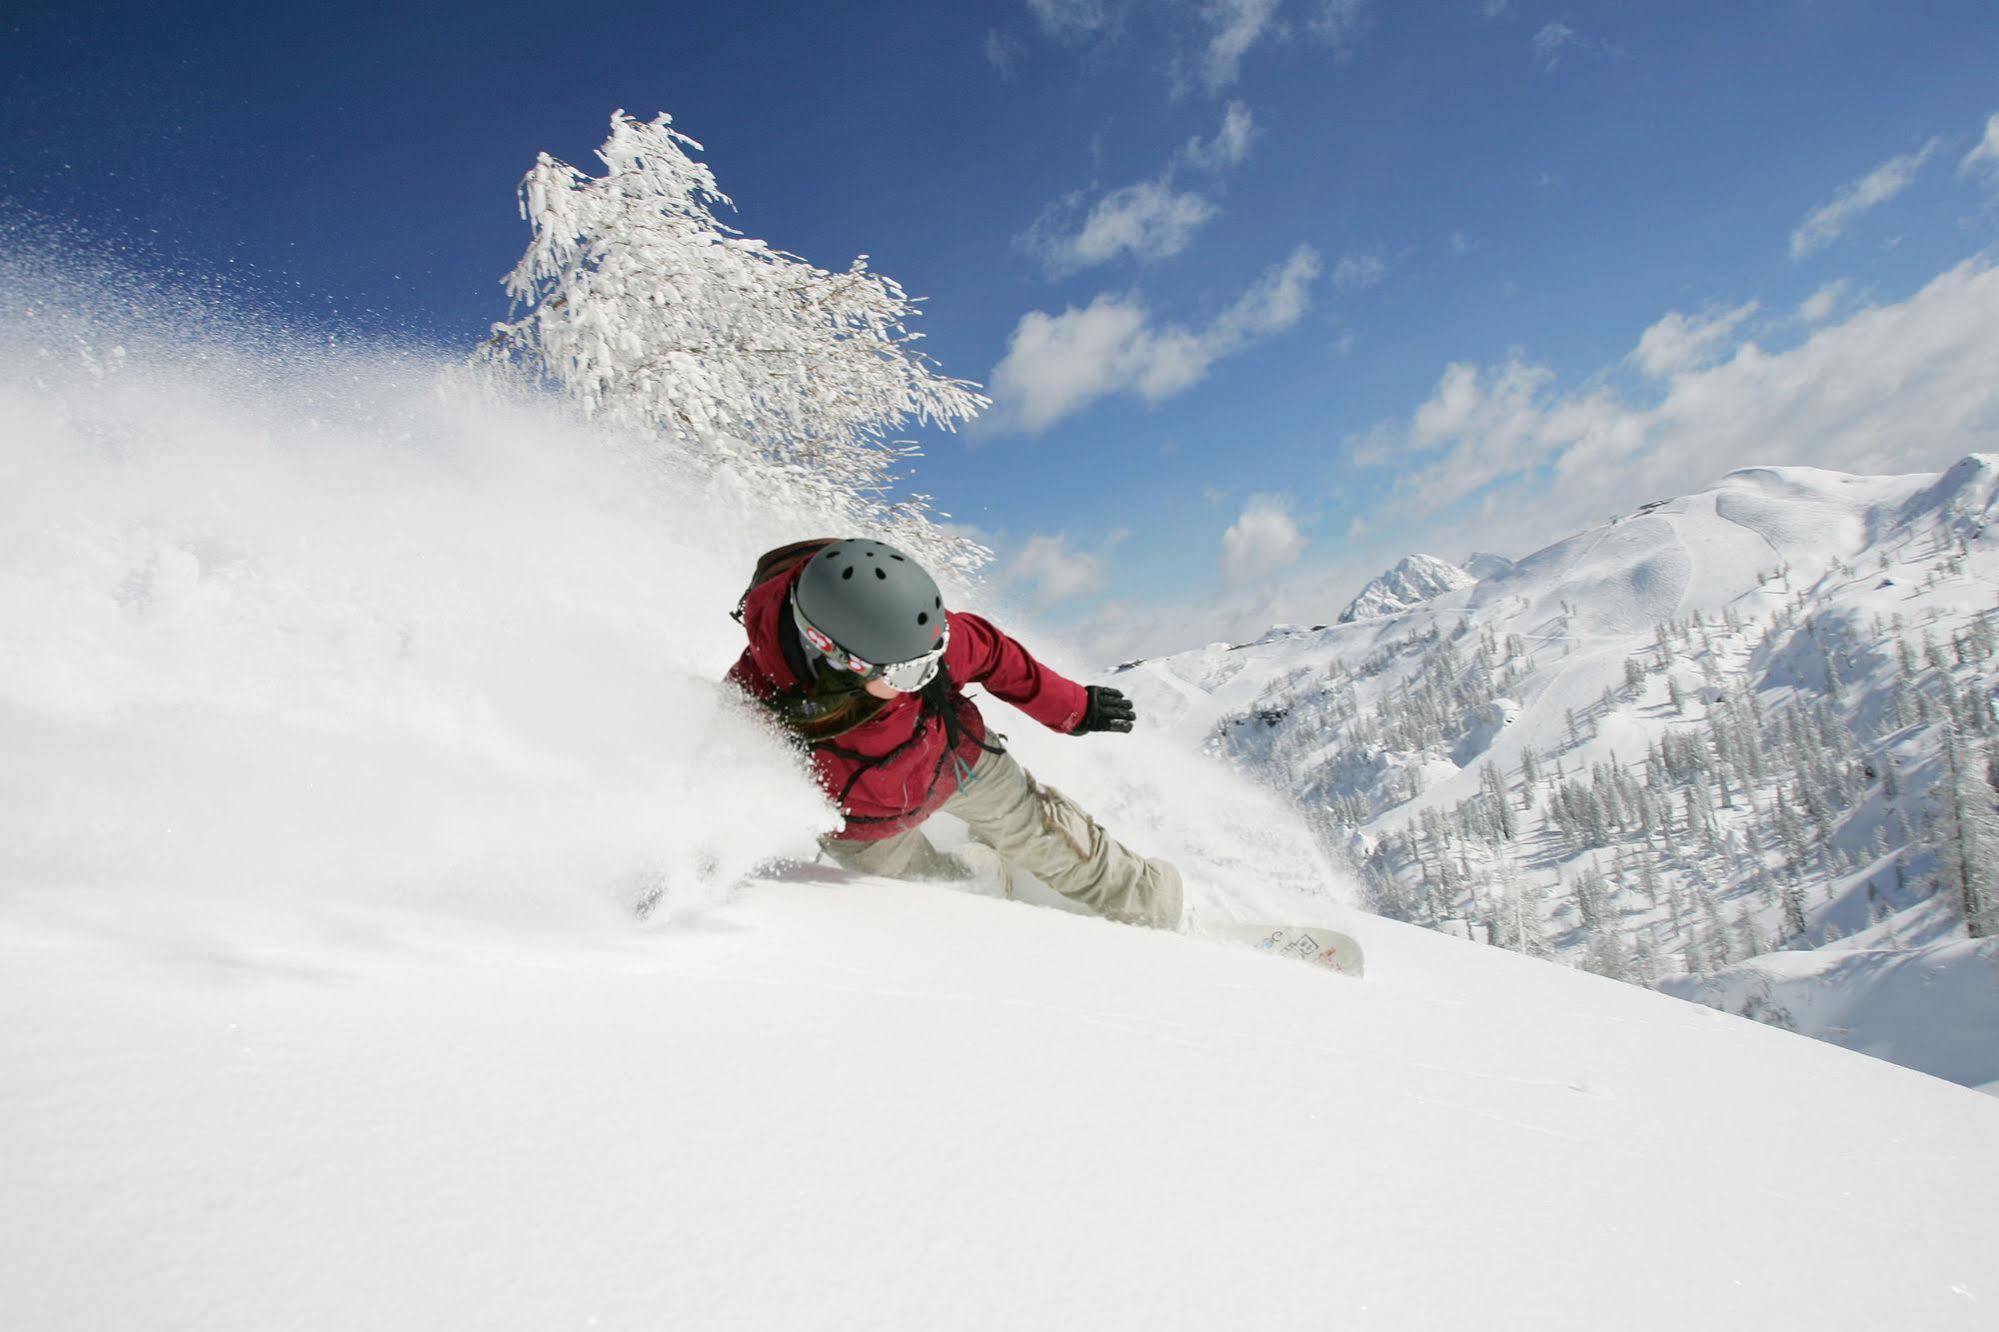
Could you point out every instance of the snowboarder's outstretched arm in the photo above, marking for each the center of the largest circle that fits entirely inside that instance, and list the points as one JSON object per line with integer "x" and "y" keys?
{"x": 980, "y": 652}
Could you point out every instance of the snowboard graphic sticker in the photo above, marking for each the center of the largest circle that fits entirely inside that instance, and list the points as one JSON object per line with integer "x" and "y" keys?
{"x": 1307, "y": 943}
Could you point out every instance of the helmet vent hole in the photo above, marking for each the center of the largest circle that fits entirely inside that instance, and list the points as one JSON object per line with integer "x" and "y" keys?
{"x": 881, "y": 574}
{"x": 898, "y": 559}
{"x": 923, "y": 617}
{"x": 939, "y": 603}
{"x": 847, "y": 572}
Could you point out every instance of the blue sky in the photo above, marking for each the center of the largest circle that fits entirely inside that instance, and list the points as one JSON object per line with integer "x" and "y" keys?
{"x": 1270, "y": 292}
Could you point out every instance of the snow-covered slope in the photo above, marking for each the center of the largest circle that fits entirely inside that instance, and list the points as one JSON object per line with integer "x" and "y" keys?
{"x": 1712, "y": 728}
{"x": 1413, "y": 581}
{"x": 835, "y": 1103}
{"x": 1932, "y": 1008}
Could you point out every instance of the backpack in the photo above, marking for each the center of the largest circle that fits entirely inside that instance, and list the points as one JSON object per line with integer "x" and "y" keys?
{"x": 780, "y": 561}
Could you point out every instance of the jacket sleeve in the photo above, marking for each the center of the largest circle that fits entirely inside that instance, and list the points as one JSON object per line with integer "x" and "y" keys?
{"x": 980, "y": 653}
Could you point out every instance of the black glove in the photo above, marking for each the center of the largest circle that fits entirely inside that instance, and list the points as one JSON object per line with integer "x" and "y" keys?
{"x": 1109, "y": 710}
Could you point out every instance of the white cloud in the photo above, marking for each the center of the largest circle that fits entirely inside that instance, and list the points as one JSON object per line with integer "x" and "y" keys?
{"x": 1050, "y": 571}
{"x": 1890, "y": 389}
{"x": 1069, "y": 19}
{"x": 1985, "y": 157}
{"x": 1828, "y": 223}
{"x": 1123, "y": 631}
{"x": 1003, "y": 54}
{"x": 1338, "y": 24}
{"x": 1681, "y": 342}
{"x": 1492, "y": 8}
{"x": 1359, "y": 269}
{"x": 1818, "y": 307}
{"x": 1233, "y": 28}
{"x": 1149, "y": 220}
{"x": 1260, "y": 542}
{"x": 1274, "y": 302}
{"x": 1236, "y": 26}
{"x": 1555, "y": 40}
{"x": 1550, "y": 41}
{"x": 1487, "y": 426}
{"x": 1056, "y": 365}
{"x": 1229, "y": 147}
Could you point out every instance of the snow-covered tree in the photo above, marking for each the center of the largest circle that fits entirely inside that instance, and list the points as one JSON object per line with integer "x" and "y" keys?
{"x": 638, "y": 303}
{"x": 1517, "y": 913}
{"x": 1794, "y": 914}
{"x": 1605, "y": 954}
{"x": 1967, "y": 838}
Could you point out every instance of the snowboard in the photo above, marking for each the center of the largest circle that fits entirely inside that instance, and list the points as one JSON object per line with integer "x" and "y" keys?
{"x": 1308, "y": 943}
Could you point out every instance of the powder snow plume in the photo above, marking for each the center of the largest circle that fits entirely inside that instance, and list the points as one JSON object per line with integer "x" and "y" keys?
{"x": 301, "y": 628}
{"x": 304, "y": 634}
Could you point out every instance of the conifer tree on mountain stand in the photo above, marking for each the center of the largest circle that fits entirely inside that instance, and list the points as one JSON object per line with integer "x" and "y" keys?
{"x": 852, "y": 650}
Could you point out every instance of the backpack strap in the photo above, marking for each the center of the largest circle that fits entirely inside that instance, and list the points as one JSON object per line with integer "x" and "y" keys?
{"x": 780, "y": 561}
{"x": 937, "y": 700}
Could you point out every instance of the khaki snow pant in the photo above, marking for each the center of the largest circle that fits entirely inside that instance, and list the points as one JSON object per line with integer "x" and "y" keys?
{"x": 1042, "y": 831}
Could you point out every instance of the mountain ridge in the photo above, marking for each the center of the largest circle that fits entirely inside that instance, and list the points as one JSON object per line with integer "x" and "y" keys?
{"x": 1666, "y": 745}
{"x": 1408, "y": 583}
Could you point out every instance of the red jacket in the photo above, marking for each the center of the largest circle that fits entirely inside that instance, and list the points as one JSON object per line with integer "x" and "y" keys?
{"x": 901, "y": 792}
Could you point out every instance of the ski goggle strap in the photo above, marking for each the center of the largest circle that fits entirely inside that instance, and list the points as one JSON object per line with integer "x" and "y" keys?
{"x": 910, "y": 676}
{"x": 906, "y": 676}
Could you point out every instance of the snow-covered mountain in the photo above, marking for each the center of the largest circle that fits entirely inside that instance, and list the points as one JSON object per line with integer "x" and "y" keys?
{"x": 1414, "y": 580}
{"x": 1669, "y": 745}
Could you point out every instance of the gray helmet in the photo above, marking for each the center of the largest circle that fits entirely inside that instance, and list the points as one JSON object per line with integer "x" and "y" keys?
{"x": 872, "y": 601}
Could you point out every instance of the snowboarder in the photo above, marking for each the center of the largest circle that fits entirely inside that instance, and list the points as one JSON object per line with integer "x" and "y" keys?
{"x": 851, "y": 649}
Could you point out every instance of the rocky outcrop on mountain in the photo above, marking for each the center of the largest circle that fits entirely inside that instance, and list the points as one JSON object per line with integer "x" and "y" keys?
{"x": 1410, "y": 583}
